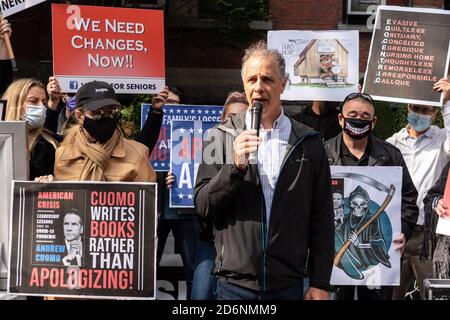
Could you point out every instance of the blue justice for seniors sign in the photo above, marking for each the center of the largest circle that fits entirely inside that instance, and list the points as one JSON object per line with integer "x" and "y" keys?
{"x": 160, "y": 157}
{"x": 186, "y": 156}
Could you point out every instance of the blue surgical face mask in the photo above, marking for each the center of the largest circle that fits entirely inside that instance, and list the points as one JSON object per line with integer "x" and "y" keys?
{"x": 35, "y": 116}
{"x": 70, "y": 103}
{"x": 420, "y": 122}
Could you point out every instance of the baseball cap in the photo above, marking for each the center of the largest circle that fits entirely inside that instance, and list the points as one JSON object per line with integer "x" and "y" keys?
{"x": 95, "y": 95}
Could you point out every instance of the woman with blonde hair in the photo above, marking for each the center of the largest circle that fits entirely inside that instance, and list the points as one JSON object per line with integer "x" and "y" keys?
{"x": 26, "y": 101}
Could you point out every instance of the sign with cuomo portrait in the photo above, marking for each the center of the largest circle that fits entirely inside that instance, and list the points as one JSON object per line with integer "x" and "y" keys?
{"x": 408, "y": 54}
{"x": 82, "y": 239}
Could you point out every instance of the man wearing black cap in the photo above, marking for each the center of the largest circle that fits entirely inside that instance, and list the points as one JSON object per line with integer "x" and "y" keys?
{"x": 95, "y": 150}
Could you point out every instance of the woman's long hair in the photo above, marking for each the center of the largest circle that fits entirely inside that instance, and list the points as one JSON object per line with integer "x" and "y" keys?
{"x": 15, "y": 96}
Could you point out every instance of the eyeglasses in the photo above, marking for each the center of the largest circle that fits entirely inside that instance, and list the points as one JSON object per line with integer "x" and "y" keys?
{"x": 101, "y": 113}
{"x": 355, "y": 95}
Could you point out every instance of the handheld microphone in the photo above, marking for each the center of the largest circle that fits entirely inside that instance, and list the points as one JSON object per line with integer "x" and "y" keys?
{"x": 255, "y": 112}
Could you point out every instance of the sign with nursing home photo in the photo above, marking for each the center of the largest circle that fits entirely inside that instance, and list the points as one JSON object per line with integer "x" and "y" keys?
{"x": 320, "y": 65}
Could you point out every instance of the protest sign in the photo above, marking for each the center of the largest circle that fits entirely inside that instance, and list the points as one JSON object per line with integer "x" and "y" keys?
{"x": 2, "y": 110}
{"x": 9, "y": 7}
{"x": 409, "y": 52}
{"x": 367, "y": 209}
{"x": 160, "y": 157}
{"x": 14, "y": 164}
{"x": 185, "y": 158}
{"x": 122, "y": 46}
{"x": 321, "y": 65}
{"x": 443, "y": 224}
{"x": 83, "y": 239}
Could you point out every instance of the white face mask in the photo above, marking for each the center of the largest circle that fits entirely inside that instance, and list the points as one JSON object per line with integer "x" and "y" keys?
{"x": 35, "y": 116}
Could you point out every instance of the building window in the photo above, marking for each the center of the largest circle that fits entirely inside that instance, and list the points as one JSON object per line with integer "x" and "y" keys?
{"x": 357, "y": 11}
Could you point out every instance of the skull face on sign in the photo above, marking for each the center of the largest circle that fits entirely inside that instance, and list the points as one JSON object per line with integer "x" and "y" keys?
{"x": 359, "y": 206}
{"x": 359, "y": 202}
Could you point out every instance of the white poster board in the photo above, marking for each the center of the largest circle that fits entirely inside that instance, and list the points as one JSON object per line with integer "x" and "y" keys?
{"x": 13, "y": 165}
{"x": 359, "y": 194}
{"x": 8, "y": 8}
{"x": 321, "y": 65}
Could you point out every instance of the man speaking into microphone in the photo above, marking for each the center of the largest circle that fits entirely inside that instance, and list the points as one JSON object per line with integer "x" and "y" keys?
{"x": 270, "y": 214}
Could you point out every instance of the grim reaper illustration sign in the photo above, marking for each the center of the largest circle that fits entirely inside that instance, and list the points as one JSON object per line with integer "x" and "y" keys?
{"x": 367, "y": 206}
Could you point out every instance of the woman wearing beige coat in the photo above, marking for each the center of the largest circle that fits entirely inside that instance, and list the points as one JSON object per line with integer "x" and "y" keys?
{"x": 95, "y": 149}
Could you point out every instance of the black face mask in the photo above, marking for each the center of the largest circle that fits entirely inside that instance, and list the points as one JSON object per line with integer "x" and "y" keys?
{"x": 102, "y": 129}
{"x": 357, "y": 128}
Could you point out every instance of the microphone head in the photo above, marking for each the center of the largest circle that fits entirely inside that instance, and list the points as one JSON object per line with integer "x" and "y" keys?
{"x": 256, "y": 114}
{"x": 256, "y": 106}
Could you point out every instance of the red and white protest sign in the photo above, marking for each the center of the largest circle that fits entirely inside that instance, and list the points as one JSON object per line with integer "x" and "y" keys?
{"x": 124, "y": 47}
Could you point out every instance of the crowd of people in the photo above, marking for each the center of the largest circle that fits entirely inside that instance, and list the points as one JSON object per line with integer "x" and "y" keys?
{"x": 263, "y": 230}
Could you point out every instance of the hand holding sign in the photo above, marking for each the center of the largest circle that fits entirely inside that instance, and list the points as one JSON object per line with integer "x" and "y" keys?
{"x": 6, "y": 51}
{"x": 170, "y": 179}
{"x": 442, "y": 209}
{"x": 5, "y": 28}
{"x": 159, "y": 100}
{"x": 54, "y": 93}
{"x": 443, "y": 85}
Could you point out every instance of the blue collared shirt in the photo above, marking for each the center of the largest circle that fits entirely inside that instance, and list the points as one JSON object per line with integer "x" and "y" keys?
{"x": 271, "y": 153}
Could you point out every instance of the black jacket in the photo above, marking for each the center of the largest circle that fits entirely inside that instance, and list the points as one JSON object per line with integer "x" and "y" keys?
{"x": 301, "y": 218}
{"x": 6, "y": 75}
{"x": 384, "y": 154}
{"x": 327, "y": 124}
{"x": 42, "y": 159}
{"x": 149, "y": 133}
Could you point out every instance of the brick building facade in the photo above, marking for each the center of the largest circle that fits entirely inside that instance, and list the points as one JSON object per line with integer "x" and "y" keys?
{"x": 196, "y": 61}
{"x": 328, "y": 15}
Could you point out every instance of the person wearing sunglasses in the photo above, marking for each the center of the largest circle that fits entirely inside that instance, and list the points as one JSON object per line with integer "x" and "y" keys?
{"x": 357, "y": 146}
{"x": 95, "y": 149}
{"x": 426, "y": 150}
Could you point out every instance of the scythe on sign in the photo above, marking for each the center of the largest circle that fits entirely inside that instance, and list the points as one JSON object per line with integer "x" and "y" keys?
{"x": 377, "y": 185}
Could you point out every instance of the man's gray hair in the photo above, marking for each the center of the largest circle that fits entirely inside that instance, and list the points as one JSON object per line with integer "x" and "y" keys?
{"x": 260, "y": 49}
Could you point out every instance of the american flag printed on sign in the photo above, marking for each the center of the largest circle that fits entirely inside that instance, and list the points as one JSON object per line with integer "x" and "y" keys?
{"x": 160, "y": 157}
{"x": 186, "y": 156}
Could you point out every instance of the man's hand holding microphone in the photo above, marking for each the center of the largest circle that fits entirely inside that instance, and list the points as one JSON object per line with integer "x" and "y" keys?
{"x": 245, "y": 147}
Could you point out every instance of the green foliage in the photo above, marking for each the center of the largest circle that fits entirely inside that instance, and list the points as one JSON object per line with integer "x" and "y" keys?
{"x": 233, "y": 16}
{"x": 391, "y": 120}
{"x": 131, "y": 116}
{"x": 384, "y": 127}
